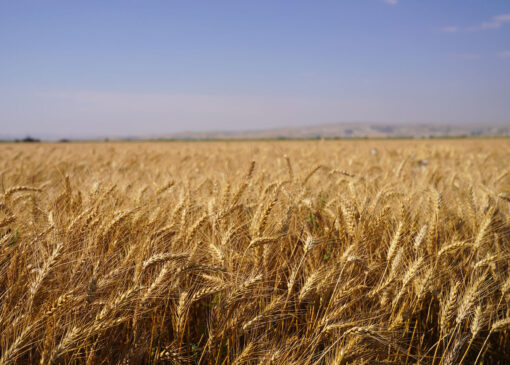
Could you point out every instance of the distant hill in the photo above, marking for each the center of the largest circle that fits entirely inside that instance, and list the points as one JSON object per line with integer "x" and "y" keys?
{"x": 355, "y": 130}
{"x": 339, "y": 130}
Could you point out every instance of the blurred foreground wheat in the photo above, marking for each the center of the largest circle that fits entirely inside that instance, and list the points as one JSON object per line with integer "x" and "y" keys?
{"x": 261, "y": 252}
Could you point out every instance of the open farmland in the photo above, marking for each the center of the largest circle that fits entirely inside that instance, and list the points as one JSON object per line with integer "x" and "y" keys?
{"x": 305, "y": 252}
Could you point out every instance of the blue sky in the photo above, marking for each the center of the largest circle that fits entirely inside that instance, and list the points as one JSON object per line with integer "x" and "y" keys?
{"x": 94, "y": 68}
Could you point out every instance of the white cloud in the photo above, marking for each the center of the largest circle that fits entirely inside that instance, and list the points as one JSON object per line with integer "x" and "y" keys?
{"x": 450, "y": 29}
{"x": 504, "y": 54}
{"x": 391, "y": 2}
{"x": 496, "y": 22}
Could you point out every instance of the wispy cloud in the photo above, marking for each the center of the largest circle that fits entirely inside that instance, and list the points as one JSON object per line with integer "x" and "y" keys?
{"x": 503, "y": 54}
{"x": 450, "y": 29}
{"x": 496, "y": 22}
{"x": 391, "y": 2}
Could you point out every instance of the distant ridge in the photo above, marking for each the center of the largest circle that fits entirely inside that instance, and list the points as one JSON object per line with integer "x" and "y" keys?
{"x": 327, "y": 131}
{"x": 355, "y": 130}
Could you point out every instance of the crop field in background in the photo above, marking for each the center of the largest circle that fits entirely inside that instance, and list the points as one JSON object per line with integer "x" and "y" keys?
{"x": 284, "y": 252}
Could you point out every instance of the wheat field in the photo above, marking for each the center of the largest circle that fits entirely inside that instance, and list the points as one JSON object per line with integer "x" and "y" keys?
{"x": 262, "y": 252}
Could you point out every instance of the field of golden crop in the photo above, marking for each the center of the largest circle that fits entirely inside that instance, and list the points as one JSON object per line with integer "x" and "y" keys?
{"x": 306, "y": 252}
